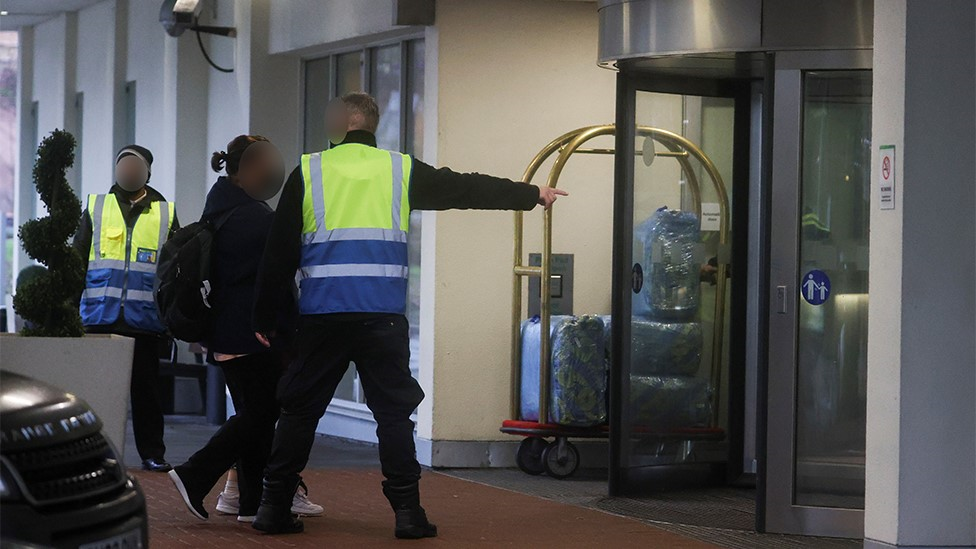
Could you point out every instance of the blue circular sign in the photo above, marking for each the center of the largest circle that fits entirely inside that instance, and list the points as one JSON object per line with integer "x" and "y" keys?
{"x": 815, "y": 287}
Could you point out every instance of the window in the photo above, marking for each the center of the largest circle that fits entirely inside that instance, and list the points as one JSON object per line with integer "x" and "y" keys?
{"x": 393, "y": 73}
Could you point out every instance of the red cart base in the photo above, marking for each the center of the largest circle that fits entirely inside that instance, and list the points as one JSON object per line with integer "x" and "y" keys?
{"x": 560, "y": 458}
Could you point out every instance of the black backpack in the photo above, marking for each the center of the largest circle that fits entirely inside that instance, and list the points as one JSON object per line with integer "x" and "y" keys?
{"x": 183, "y": 280}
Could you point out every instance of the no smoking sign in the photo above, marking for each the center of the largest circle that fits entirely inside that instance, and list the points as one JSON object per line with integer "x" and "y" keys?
{"x": 886, "y": 178}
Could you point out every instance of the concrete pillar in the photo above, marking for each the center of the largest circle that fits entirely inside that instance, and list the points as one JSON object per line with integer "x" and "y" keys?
{"x": 921, "y": 422}
{"x": 24, "y": 191}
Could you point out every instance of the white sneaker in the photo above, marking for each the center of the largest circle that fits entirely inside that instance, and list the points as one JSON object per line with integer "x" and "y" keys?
{"x": 300, "y": 505}
{"x": 247, "y": 519}
{"x": 228, "y": 504}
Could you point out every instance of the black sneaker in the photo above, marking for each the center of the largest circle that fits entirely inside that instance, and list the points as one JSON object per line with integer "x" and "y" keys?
{"x": 412, "y": 523}
{"x": 274, "y": 520}
{"x": 194, "y": 502}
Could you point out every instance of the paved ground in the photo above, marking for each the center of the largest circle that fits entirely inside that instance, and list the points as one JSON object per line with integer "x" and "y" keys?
{"x": 500, "y": 507}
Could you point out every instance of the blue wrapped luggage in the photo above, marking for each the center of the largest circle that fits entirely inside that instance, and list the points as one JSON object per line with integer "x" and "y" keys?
{"x": 665, "y": 403}
{"x": 662, "y": 348}
{"x": 670, "y": 260}
{"x": 579, "y": 377}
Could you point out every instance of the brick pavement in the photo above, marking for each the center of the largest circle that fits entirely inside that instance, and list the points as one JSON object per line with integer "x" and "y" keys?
{"x": 467, "y": 514}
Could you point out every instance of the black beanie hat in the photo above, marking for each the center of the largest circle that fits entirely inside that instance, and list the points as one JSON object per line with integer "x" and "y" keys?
{"x": 135, "y": 150}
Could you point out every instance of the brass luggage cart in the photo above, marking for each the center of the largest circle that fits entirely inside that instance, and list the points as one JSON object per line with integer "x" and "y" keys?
{"x": 560, "y": 458}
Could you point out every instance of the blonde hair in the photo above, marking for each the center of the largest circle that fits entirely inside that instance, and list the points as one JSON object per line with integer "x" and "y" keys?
{"x": 364, "y": 104}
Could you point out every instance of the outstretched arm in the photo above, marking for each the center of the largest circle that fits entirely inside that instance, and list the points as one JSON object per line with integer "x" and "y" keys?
{"x": 445, "y": 189}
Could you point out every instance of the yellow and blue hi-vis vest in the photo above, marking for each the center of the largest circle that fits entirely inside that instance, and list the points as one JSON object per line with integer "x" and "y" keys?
{"x": 122, "y": 264}
{"x": 356, "y": 215}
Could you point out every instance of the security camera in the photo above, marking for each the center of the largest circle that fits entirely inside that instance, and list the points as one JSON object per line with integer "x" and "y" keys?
{"x": 178, "y": 16}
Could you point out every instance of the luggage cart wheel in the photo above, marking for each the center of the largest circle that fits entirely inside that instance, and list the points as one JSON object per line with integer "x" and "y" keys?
{"x": 560, "y": 458}
{"x": 529, "y": 455}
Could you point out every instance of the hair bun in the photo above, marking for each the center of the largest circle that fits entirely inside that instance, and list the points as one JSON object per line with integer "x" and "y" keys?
{"x": 217, "y": 160}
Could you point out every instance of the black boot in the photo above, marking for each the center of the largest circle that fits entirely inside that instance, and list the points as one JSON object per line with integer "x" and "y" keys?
{"x": 411, "y": 519}
{"x": 274, "y": 516}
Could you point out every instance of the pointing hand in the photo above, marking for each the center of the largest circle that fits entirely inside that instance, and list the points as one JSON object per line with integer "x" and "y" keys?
{"x": 548, "y": 195}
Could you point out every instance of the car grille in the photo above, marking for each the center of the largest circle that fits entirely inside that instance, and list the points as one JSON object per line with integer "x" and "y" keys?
{"x": 69, "y": 471}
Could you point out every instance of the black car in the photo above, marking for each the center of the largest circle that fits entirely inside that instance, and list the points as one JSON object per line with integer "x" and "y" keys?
{"x": 62, "y": 483}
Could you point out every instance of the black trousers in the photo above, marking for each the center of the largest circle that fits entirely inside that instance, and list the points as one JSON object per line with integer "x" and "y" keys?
{"x": 245, "y": 438}
{"x": 379, "y": 345}
{"x": 147, "y": 412}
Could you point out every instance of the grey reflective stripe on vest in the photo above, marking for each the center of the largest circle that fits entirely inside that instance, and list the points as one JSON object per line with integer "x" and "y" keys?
{"x": 119, "y": 264}
{"x": 336, "y": 235}
{"x": 97, "y": 225}
{"x": 92, "y": 293}
{"x": 139, "y": 295}
{"x": 397, "y": 160}
{"x": 356, "y": 269}
{"x": 318, "y": 190}
{"x": 163, "y": 223}
{"x": 106, "y": 264}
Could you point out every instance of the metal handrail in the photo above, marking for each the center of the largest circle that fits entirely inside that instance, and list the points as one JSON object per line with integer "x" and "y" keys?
{"x": 566, "y": 145}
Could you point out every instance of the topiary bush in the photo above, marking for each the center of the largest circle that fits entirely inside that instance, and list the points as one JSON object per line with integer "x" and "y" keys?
{"x": 49, "y": 301}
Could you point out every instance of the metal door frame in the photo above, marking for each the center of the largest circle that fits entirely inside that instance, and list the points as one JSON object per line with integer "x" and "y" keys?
{"x": 777, "y": 489}
{"x": 628, "y": 84}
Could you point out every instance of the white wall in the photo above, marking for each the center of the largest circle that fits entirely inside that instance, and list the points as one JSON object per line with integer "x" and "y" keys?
{"x": 49, "y": 85}
{"x": 96, "y": 79}
{"x": 921, "y": 423}
{"x": 299, "y": 24}
{"x": 537, "y": 83}
{"x": 151, "y": 63}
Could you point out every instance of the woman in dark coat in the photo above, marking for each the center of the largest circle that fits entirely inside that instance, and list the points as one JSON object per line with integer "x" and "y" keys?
{"x": 242, "y": 225}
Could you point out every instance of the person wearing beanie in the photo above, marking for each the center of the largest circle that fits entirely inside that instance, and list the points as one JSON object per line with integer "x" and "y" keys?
{"x": 119, "y": 239}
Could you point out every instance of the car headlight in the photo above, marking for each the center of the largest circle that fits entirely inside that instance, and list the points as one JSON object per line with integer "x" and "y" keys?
{"x": 9, "y": 489}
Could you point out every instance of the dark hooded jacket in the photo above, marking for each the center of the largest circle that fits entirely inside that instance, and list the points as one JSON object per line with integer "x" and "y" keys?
{"x": 240, "y": 242}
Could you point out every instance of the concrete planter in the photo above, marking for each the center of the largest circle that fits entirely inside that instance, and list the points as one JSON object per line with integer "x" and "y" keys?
{"x": 96, "y": 368}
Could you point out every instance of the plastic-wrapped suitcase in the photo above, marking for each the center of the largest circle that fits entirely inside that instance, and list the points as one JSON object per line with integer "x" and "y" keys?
{"x": 661, "y": 348}
{"x": 672, "y": 269}
{"x": 577, "y": 395}
{"x": 661, "y": 403}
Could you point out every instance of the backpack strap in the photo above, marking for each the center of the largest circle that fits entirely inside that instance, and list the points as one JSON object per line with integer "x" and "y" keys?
{"x": 222, "y": 218}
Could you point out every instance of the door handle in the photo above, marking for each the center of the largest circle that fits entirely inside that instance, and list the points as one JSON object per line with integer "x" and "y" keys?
{"x": 781, "y": 304}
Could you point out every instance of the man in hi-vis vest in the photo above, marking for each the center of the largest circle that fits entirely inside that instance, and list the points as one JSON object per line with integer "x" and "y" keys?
{"x": 342, "y": 224}
{"x": 119, "y": 240}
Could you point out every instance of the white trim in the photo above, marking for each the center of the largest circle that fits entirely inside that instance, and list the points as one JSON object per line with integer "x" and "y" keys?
{"x": 351, "y": 420}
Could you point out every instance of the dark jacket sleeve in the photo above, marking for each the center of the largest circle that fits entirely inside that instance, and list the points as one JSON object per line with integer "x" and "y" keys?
{"x": 282, "y": 255}
{"x": 83, "y": 238}
{"x": 445, "y": 189}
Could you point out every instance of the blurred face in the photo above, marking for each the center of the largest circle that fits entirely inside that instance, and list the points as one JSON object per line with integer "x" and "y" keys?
{"x": 336, "y": 121}
{"x": 131, "y": 173}
{"x": 261, "y": 172}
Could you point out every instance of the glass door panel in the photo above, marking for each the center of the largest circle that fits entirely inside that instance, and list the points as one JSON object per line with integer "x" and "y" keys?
{"x": 675, "y": 365}
{"x": 818, "y": 318}
{"x": 833, "y": 306}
